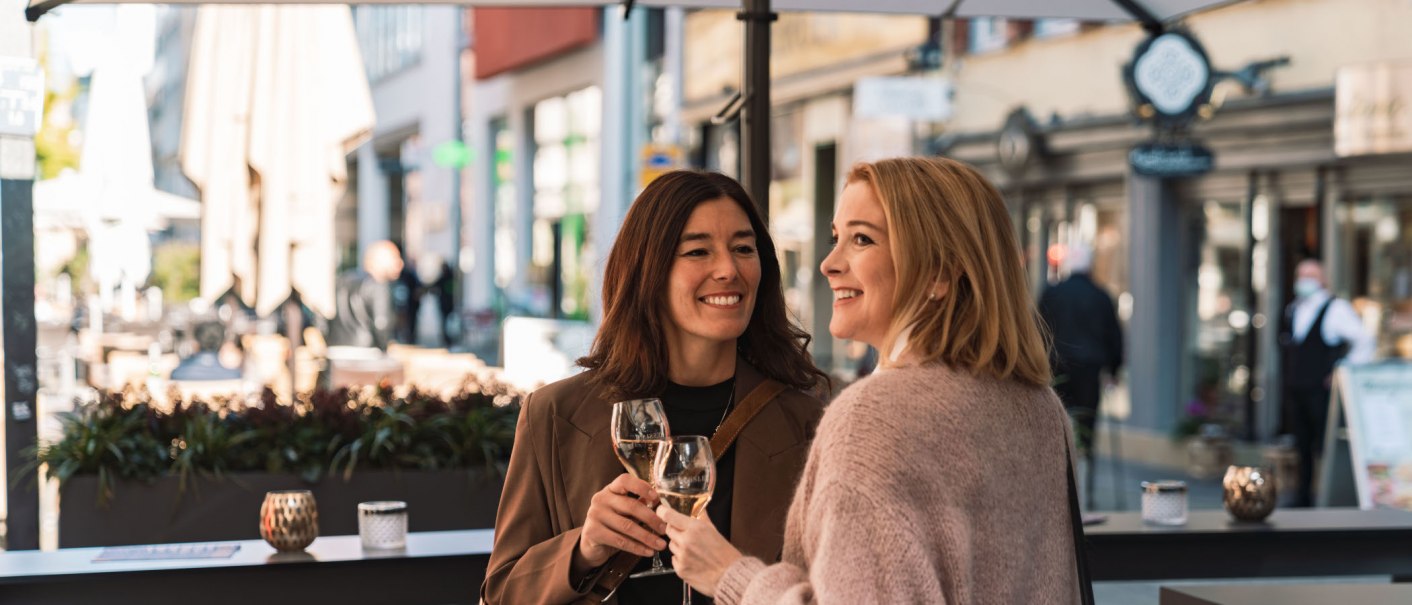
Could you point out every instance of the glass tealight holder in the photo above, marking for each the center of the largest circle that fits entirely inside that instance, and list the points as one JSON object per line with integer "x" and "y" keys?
{"x": 1164, "y": 502}
{"x": 382, "y": 525}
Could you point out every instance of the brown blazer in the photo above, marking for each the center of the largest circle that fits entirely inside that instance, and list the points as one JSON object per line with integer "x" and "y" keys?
{"x": 563, "y": 455}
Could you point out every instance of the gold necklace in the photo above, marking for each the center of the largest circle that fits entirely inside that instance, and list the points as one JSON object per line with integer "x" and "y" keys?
{"x": 730, "y": 399}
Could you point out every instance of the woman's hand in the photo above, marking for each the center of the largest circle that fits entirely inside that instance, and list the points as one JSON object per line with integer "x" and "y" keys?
{"x": 700, "y": 554}
{"x": 616, "y": 519}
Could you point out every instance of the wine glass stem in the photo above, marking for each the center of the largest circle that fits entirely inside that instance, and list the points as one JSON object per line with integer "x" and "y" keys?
{"x": 685, "y": 593}
{"x": 657, "y": 561}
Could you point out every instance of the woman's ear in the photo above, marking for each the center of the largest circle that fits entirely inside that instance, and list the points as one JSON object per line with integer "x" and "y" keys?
{"x": 940, "y": 288}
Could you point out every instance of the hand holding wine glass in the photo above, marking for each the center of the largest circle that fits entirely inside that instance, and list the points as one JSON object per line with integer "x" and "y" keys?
{"x": 618, "y": 519}
{"x": 639, "y": 430}
{"x": 685, "y": 478}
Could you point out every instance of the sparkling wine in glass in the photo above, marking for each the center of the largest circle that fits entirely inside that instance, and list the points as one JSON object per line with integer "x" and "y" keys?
{"x": 639, "y": 430}
{"x": 685, "y": 476}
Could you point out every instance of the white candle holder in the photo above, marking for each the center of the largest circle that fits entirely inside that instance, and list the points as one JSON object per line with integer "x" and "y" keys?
{"x": 1164, "y": 502}
{"x": 382, "y": 525}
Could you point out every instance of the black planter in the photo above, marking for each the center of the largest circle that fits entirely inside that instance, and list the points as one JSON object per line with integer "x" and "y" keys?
{"x": 229, "y": 508}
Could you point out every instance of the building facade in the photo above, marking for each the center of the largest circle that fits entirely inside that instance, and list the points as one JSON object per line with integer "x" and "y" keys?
{"x": 166, "y": 97}
{"x": 400, "y": 191}
{"x": 819, "y": 64}
{"x": 1201, "y": 266}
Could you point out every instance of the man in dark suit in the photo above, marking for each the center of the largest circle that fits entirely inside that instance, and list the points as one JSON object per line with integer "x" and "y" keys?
{"x": 1087, "y": 340}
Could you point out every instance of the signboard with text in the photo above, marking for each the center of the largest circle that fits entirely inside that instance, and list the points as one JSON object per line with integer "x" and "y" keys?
{"x": 1373, "y": 109}
{"x": 21, "y": 96}
{"x": 922, "y": 99}
{"x": 1171, "y": 160}
{"x": 1376, "y": 399}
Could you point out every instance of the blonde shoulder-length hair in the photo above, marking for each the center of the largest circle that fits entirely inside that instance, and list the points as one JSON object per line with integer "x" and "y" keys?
{"x": 948, "y": 225}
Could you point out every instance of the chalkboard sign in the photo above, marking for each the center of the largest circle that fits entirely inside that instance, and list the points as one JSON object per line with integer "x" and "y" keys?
{"x": 1376, "y": 402}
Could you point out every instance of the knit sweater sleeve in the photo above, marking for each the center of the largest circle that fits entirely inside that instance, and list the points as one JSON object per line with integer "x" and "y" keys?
{"x": 855, "y": 523}
{"x": 860, "y": 555}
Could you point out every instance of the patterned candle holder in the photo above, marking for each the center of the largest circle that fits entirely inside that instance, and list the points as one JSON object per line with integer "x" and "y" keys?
{"x": 1250, "y": 492}
{"x": 289, "y": 519}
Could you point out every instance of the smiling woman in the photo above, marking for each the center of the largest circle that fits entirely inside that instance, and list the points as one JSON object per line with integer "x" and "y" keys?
{"x": 693, "y": 315}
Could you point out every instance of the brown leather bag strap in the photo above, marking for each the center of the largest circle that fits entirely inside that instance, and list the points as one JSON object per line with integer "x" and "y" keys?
{"x": 620, "y": 565}
{"x": 743, "y": 413}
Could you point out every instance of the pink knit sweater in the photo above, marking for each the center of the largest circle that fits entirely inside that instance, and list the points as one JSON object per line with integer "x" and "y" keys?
{"x": 926, "y": 485}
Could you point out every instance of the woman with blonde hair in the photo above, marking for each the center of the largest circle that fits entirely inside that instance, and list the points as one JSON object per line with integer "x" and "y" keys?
{"x": 942, "y": 477}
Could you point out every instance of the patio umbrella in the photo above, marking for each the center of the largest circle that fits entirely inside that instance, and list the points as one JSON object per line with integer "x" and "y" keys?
{"x": 755, "y": 90}
{"x": 276, "y": 99}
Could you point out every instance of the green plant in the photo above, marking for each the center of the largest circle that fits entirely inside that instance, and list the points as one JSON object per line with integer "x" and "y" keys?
{"x": 109, "y": 440}
{"x": 124, "y": 436}
{"x": 176, "y": 269}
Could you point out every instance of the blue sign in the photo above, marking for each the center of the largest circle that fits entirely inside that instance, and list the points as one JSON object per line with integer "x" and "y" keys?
{"x": 1171, "y": 160}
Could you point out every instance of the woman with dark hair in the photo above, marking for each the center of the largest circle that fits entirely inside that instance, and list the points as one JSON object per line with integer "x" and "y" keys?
{"x": 693, "y": 314}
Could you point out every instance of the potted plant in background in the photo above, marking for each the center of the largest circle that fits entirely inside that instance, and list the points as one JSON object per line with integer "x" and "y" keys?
{"x": 134, "y": 472}
{"x": 1208, "y": 447}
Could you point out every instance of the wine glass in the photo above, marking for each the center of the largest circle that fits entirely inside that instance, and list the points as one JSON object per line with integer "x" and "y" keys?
{"x": 639, "y": 430}
{"x": 685, "y": 476}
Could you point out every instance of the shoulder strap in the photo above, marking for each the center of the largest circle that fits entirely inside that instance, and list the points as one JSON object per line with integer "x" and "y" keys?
{"x": 743, "y": 413}
{"x": 620, "y": 565}
{"x": 1076, "y": 521}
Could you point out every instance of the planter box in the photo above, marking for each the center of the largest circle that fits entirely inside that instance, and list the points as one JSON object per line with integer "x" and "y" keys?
{"x": 229, "y": 509}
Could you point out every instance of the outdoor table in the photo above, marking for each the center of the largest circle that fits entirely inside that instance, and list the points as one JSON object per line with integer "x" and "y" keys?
{"x": 1291, "y": 542}
{"x": 1286, "y": 594}
{"x": 441, "y": 568}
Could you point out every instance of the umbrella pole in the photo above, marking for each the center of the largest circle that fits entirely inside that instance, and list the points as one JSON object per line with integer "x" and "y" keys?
{"x": 293, "y": 328}
{"x": 755, "y": 108}
{"x": 19, "y": 356}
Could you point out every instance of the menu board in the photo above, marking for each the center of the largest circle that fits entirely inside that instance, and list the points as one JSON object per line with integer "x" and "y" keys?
{"x": 1377, "y": 402}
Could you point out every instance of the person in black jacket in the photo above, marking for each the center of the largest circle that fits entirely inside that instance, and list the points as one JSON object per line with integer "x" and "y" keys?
{"x": 365, "y": 313}
{"x": 1087, "y": 340}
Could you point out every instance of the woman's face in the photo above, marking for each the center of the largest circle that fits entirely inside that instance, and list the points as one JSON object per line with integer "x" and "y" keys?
{"x": 715, "y": 271}
{"x": 859, "y": 269}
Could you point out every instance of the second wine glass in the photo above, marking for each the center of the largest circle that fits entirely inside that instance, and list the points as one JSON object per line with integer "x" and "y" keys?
{"x": 685, "y": 477}
{"x": 639, "y": 430}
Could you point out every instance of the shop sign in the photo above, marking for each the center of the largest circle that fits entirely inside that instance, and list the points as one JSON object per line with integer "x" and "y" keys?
{"x": 1373, "y": 109}
{"x": 801, "y": 43}
{"x": 1170, "y": 78}
{"x": 1020, "y": 143}
{"x": 21, "y": 96}
{"x": 1171, "y": 160}
{"x": 915, "y": 98}
{"x": 658, "y": 159}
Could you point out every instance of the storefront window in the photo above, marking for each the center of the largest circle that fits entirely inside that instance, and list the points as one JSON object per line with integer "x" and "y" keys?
{"x": 566, "y": 196}
{"x": 1219, "y": 372}
{"x": 502, "y": 181}
{"x": 1378, "y": 253}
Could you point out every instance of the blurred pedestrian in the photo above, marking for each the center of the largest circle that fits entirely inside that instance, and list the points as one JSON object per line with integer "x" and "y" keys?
{"x": 1317, "y": 332}
{"x": 436, "y": 298}
{"x": 1087, "y": 341}
{"x": 205, "y": 363}
{"x": 406, "y": 299}
{"x": 365, "y": 315}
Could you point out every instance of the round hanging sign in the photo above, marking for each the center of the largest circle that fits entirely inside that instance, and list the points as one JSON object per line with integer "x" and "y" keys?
{"x": 1169, "y": 78}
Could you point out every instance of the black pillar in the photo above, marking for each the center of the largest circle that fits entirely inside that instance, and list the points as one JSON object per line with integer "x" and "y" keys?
{"x": 556, "y": 272}
{"x": 21, "y": 378}
{"x": 755, "y": 110}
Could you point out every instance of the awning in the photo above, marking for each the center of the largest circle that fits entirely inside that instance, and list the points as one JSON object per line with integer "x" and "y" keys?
{"x": 1094, "y": 10}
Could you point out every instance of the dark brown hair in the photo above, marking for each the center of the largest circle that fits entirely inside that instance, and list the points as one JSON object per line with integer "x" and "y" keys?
{"x": 629, "y": 354}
